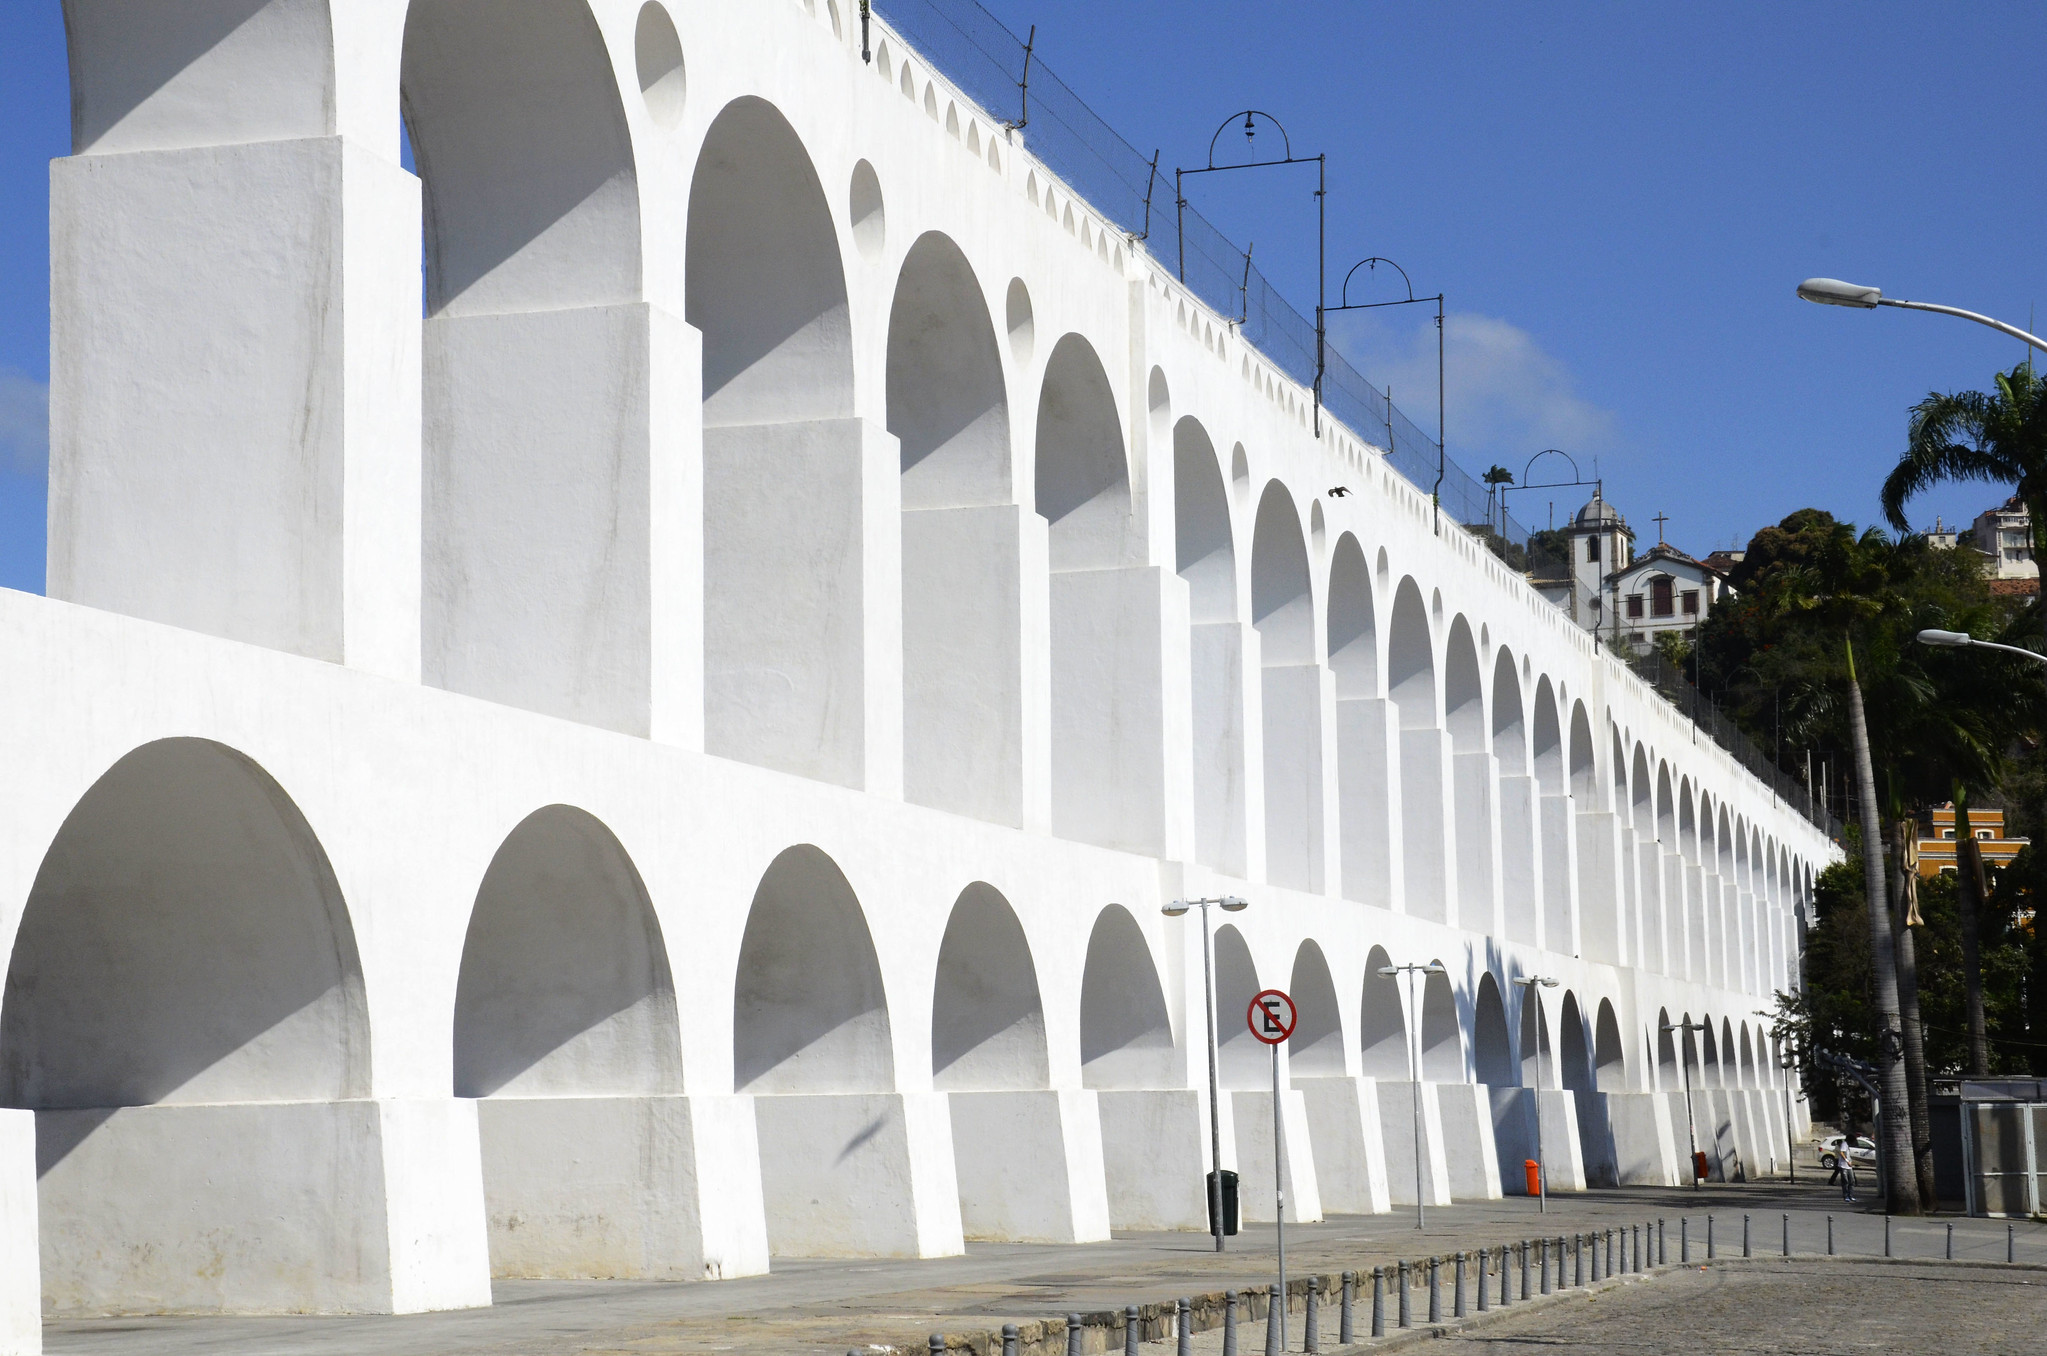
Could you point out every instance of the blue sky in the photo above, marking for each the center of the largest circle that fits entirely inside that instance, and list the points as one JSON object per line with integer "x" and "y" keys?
{"x": 1618, "y": 199}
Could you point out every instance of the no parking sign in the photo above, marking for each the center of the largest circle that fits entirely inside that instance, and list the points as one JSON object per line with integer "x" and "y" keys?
{"x": 1271, "y": 1016}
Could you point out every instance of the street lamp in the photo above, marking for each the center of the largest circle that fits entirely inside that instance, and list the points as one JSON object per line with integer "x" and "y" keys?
{"x": 1684, "y": 1059}
{"x": 1959, "y": 640}
{"x": 1414, "y": 1063}
{"x": 1532, "y": 983}
{"x": 1228, "y": 904}
{"x": 1834, "y": 292}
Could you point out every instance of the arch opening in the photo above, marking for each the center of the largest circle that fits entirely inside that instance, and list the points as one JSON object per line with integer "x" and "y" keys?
{"x": 809, "y": 1013}
{"x": 1282, "y": 610}
{"x": 1442, "y": 1042}
{"x": 962, "y": 603}
{"x": 1244, "y": 1062}
{"x": 1492, "y": 1053}
{"x": 1364, "y": 742}
{"x": 1206, "y": 559}
{"x": 1474, "y": 785}
{"x": 1424, "y": 758}
{"x": 1316, "y": 1048}
{"x": 987, "y": 1018}
{"x": 1382, "y": 1024}
{"x": 784, "y": 586}
{"x": 1126, "y": 1033}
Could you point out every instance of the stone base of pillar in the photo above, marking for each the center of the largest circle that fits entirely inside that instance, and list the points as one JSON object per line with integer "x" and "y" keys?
{"x": 1515, "y": 1140}
{"x": 1396, "y": 1120}
{"x": 1155, "y": 1157}
{"x": 1030, "y": 1166}
{"x": 658, "y": 1188}
{"x": 1252, "y": 1112}
{"x": 1350, "y": 1146}
{"x": 262, "y": 1207}
{"x": 21, "y": 1289}
{"x": 859, "y": 1175}
{"x": 1469, "y": 1153}
{"x": 1647, "y": 1143}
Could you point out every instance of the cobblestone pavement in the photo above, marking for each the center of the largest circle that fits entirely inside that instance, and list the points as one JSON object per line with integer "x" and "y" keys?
{"x": 1808, "y": 1307}
{"x": 825, "y": 1308}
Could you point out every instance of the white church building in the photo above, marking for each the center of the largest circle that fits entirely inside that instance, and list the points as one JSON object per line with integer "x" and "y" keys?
{"x": 671, "y": 749}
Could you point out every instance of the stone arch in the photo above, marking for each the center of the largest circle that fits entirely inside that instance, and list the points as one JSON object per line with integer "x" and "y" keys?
{"x": 948, "y": 408}
{"x": 1206, "y": 558}
{"x": 1316, "y": 1048}
{"x": 809, "y": 1011}
{"x": 1726, "y": 918}
{"x": 1242, "y": 1062}
{"x": 1491, "y": 1051}
{"x": 1553, "y": 822}
{"x": 784, "y": 672}
{"x": 1609, "y": 1052}
{"x": 1382, "y": 1023}
{"x": 184, "y": 941}
{"x": 987, "y": 1018}
{"x": 537, "y": 392}
{"x": 1691, "y": 883}
{"x": 1364, "y": 744}
{"x": 1574, "y": 1050}
{"x": 1520, "y": 804}
{"x": 1727, "y": 1069}
{"x": 1107, "y": 726}
{"x": 1283, "y": 611}
{"x": 1668, "y": 1077}
{"x": 1442, "y": 1041}
{"x": 1538, "y": 1066}
{"x": 185, "y": 946}
{"x": 1746, "y": 1076}
{"x": 1474, "y": 793}
{"x": 1646, "y": 876}
{"x": 1424, "y": 759}
{"x": 1126, "y": 1033}
{"x": 564, "y": 988}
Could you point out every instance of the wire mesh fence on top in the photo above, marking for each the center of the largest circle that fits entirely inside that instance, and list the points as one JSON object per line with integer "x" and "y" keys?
{"x": 990, "y": 65}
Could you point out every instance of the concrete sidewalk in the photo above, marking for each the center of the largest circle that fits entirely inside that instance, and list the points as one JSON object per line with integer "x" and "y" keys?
{"x": 836, "y": 1305}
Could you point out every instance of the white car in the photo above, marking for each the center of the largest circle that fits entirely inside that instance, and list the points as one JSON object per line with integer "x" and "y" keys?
{"x": 1860, "y": 1150}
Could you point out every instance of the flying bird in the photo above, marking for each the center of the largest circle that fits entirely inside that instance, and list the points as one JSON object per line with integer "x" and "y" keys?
{"x": 1338, "y": 491}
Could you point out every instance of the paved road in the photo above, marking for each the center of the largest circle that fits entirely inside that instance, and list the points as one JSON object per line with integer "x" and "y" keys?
{"x": 827, "y": 1307}
{"x": 1811, "y": 1308}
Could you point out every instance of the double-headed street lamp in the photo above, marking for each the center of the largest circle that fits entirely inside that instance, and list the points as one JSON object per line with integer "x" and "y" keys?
{"x": 1834, "y": 292}
{"x": 1957, "y": 640}
{"x": 1684, "y": 1058}
{"x": 1414, "y": 1062}
{"x": 1228, "y": 904}
{"x": 1533, "y": 983}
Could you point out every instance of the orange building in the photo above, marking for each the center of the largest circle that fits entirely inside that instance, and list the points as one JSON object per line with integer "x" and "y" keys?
{"x": 1937, "y": 851}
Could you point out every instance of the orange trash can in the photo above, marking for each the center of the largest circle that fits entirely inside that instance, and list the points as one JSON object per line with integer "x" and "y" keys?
{"x": 1699, "y": 1165}
{"x": 1534, "y": 1172}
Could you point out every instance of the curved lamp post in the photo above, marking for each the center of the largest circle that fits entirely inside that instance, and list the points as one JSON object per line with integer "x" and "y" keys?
{"x": 1414, "y": 1063}
{"x": 1958, "y": 640}
{"x": 1532, "y": 983}
{"x": 1228, "y": 904}
{"x": 1834, "y": 292}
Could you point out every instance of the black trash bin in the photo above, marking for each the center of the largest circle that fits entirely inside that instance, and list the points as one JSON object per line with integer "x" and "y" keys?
{"x": 1229, "y": 1195}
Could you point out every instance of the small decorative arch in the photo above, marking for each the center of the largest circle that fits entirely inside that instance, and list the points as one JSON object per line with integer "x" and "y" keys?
{"x": 1316, "y": 1048}
{"x": 1382, "y": 1023}
{"x": 987, "y": 1019}
{"x": 1126, "y": 1034}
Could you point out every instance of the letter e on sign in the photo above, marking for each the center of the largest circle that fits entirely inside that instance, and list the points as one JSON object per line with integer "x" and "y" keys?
{"x": 1271, "y": 1016}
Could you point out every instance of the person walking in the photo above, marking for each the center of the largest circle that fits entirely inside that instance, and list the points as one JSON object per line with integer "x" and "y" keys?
{"x": 1845, "y": 1166}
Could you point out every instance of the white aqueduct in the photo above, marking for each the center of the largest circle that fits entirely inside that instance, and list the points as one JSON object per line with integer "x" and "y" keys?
{"x": 677, "y": 758}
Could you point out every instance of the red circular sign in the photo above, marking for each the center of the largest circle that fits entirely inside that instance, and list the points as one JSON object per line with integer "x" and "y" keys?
{"x": 1271, "y": 1016}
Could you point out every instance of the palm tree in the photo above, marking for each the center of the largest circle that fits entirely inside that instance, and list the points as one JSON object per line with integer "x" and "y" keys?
{"x": 1998, "y": 437}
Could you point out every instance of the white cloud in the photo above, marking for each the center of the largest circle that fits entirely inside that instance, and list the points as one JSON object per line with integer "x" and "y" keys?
{"x": 24, "y": 425}
{"x": 1508, "y": 397}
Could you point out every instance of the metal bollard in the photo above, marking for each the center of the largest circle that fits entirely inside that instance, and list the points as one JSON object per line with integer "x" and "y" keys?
{"x": 1609, "y": 1254}
{"x": 1378, "y": 1301}
{"x": 1524, "y": 1268}
{"x": 1951, "y": 1243}
{"x": 1073, "y": 1335}
{"x": 1830, "y": 1235}
{"x": 1485, "y": 1264}
{"x": 1133, "y": 1329}
{"x": 1406, "y": 1317}
{"x": 1594, "y": 1250}
{"x": 1887, "y": 1235}
{"x": 1787, "y": 1235}
{"x": 1311, "y": 1319}
{"x": 1274, "y": 1316}
{"x": 1435, "y": 1290}
{"x": 1709, "y": 1239}
{"x": 1345, "y": 1332}
{"x": 1577, "y": 1261}
{"x": 1638, "y": 1249}
{"x": 1542, "y": 1262}
{"x": 1183, "y": 1328}
{"x": 1229, "y": 1323}
{"x": 1744, "y": 1238}
{"x": 937, "y": 1344}
{"x": 1662, "y": 1245}
{"x": 1010, "y": 1340}
{"x": 1684, "y": 1242}
{"x": 1458, "y": 1312}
